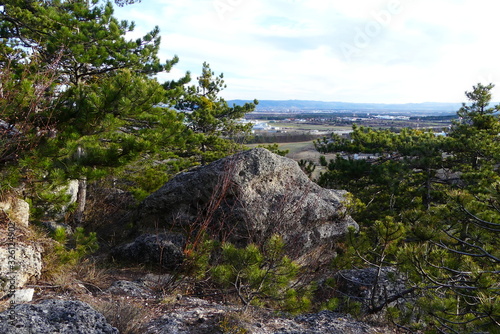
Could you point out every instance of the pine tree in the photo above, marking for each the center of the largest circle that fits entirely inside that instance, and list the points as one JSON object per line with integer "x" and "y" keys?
{"x": 94, "y": 107}
{"x": 397, "y": 171}
{"x": 260, "y": 276}
{"x": 475, "y": 134}
{"x": 443, "y": 193}
{"x": 208, "y": 115}
{"x": 101, "y": 109}
{"x": 462, "y": 260}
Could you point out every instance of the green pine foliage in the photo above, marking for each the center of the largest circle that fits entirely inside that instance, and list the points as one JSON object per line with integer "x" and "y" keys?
{"x": 71, "y": 250}
{"x": 210, "y": 117}
{"x": 256, "y": 276}
{"x": 82, "y": 102}
{"x": 66, "y": 252}
{"x": 199, "y": 257}
{"x": 430, "y": 208}
{"x": 92, "y": 107}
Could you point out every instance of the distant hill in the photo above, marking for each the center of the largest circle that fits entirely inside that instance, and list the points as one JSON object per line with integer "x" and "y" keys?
{"x": 306, "y": 105}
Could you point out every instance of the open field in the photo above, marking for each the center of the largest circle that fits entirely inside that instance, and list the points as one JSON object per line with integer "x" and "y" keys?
{"x": 338, "y": 122}
{"x": 302, "y": 151}
{"x": 299, "y": 150}
{"x": 292, "y": 133}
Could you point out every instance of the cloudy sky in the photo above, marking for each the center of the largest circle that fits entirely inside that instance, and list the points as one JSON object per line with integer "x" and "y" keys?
{"x": 388, "y": 51}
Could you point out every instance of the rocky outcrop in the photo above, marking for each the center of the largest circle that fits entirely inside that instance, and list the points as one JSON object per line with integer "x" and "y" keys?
{"x": 20, "y": 257}
{"x": 18, "y": 265}
{"x": 374, "y": 288}
{"x": 132, "y": 289}
{"x": 187, "y": 315}
{"x": 330, "y": 322}
{"x": 192, "y": 315}
{"x": 17, "y": 209}
{"x": 163, "y": 249}
{"x": 246, "y": 198}
{"x": 54, "y": 316}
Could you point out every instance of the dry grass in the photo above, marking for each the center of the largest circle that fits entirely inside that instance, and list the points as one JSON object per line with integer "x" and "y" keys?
{"x": 126, "y": 315}
{"x": 82, "y": 277}
{"x": 89, "y": 273}
{"x": 4, "y": 305}
{"x": 21, "y": 234}
{"x": 237, "y": 322}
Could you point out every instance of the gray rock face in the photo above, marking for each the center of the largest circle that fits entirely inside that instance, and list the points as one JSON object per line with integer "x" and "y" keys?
{"x": 165, "y": 249}
{"x": 17, "y": 209}
{"x": 132, "y": 289}
{"x": 20, "y": 261}
{"x": 190, "y": 315}
{"x": 187, "y": 316}
{"x": 374, "y": 289}
{"x": 22, "y": 296}
{"x": 196, "y": 316}
{"x": 54, "y": 316}
{"x": 246, "y": 198}
{"x": 26, "y": 265}
{"x": 329, "y": 322}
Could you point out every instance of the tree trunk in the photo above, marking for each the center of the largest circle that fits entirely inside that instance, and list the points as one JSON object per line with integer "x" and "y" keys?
{"x": 81, "y": 199}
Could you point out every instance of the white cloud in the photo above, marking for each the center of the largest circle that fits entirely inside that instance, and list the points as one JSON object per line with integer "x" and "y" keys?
{"x": 359, "y": 51}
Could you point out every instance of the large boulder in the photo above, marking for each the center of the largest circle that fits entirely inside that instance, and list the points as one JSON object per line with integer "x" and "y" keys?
{"x": 162, "y": 249}
{"x": 20, "y": 263}
{"x": 54, "y": 316}
{"x": 246, "y": 198}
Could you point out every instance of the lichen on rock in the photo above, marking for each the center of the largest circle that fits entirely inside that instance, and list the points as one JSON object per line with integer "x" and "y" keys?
{"x": 246, "y": 198}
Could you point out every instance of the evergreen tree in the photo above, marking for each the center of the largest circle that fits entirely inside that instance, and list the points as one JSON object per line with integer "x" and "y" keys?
{"x": 478, "y": 114}
{"x": 101, "y": 109}
{"x": 475, "y": 135}
{"x": 386, "y": 170}
{"x": 86, "y": 37}
{"x": 89, "y": 105}
{"x": 260, "y": 276}
{"x": 210, "y": 117}
{"x": 436, "y": 198}
{"x": 461, "y": 260}
{"x": 25, "y": 118}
